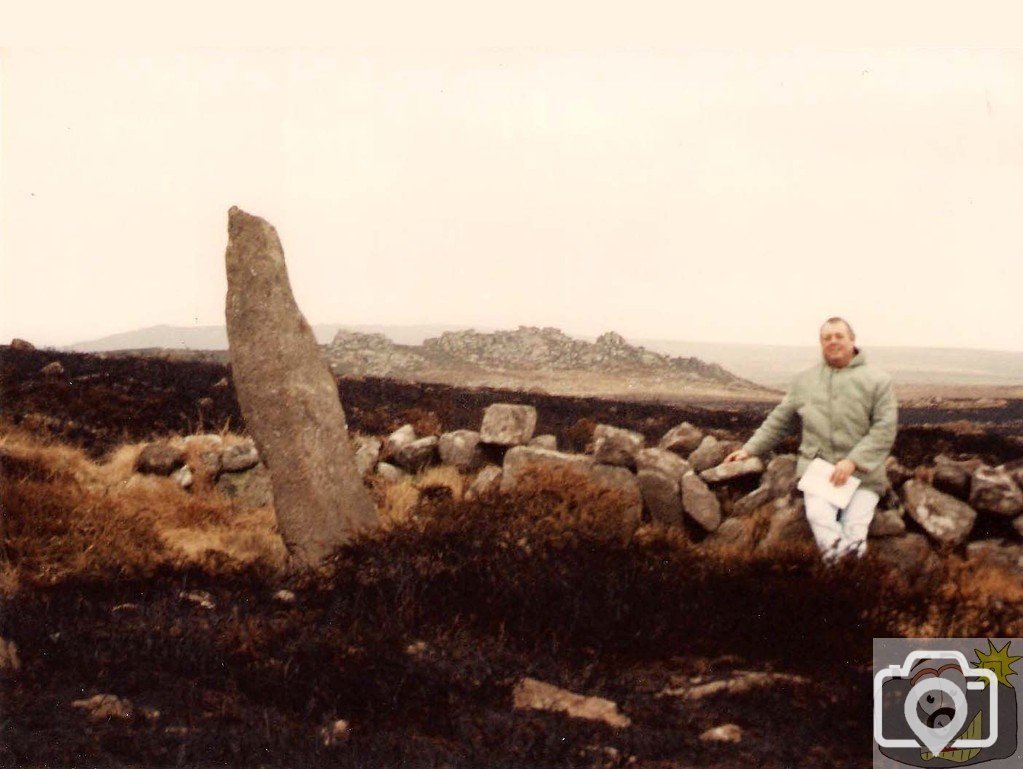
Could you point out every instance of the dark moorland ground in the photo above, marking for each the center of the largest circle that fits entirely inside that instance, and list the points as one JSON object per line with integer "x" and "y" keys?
{"x": 418, "y": 635}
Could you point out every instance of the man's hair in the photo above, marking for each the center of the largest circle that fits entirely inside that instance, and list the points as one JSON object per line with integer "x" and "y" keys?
{"x": 836, "y": 319}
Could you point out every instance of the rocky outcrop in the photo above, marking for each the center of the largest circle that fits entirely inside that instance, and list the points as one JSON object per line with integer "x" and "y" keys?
{"x": 352, "y": 353}
{"x": 549, "y": 348}
{"x": 289, "y": 399}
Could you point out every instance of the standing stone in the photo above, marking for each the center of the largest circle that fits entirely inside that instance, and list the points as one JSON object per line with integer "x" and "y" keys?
{"x": 615, "y": 446}
{"x": 289, "y": 399}
{"x": 682, "y": 439}
{"x": 945, "y": 518}
{"x": 508, "y": 424}
{"x": 994, "y": 491}
{"x": 699, "y": 502}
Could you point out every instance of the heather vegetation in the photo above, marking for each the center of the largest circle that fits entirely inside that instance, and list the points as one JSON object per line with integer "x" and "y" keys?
{"x": 417, "y": 635}
{"x": 174, "y": 601}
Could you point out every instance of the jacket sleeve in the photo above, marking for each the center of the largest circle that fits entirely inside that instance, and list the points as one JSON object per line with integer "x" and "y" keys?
{"x": 779, "y": 423}
{"x": 870, "y": 452}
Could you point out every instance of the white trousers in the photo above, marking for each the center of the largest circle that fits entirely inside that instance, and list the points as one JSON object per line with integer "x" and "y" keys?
{"x": 841, "y": 532}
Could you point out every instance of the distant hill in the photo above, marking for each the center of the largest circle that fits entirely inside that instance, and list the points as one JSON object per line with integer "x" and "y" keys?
{"x": 774, "y": 366}
{"x": 215, "y": 337}
{"x": 768, "y": 365}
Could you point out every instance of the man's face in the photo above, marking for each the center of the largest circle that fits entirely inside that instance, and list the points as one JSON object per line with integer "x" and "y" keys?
{"x": 837, "y": 344}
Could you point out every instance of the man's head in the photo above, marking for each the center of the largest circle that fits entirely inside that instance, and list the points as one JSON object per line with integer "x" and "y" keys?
{"x": 838, "y": 342}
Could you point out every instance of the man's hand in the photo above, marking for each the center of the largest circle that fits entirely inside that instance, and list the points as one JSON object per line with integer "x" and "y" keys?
{"x": 843, "y": 469}
{"x": 738, "y": 455}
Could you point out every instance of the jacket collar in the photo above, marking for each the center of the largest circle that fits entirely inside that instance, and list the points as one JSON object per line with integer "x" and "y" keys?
{"x": 859, "y": 359}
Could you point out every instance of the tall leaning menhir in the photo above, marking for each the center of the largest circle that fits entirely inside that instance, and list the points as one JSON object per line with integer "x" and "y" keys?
{"x": 289, "y": 399}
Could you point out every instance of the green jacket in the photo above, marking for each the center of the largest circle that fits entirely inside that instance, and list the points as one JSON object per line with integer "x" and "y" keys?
{"x": 846, "y": 413}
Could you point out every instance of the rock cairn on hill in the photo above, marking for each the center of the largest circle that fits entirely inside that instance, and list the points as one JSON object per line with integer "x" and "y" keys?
{"x": 289, "y": 399}
{"x": 525, "y": 349}
{"x": 529, "y": 347}
{"x": 351, "y": 352}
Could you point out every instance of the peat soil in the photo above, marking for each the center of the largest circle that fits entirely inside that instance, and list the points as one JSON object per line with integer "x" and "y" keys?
{"x": 99, "y": 403}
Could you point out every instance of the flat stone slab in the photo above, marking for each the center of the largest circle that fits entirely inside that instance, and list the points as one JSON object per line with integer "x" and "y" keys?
{"x": 730, "y": 470}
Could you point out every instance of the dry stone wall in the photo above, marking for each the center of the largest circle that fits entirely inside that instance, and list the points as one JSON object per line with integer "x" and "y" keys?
{"x": 958, "y": 505}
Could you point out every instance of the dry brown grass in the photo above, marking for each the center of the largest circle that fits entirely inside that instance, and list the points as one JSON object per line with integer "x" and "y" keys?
{"x": 66, "y": 516}
{"x": 399, "y": 502}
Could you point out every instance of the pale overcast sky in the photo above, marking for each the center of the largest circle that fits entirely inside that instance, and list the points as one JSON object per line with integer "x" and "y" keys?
{"x": 706, "y": 187}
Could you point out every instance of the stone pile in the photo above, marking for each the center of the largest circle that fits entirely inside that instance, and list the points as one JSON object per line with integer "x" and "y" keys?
{"x": 234, "y": 469}
{"x": 681, "y": 482}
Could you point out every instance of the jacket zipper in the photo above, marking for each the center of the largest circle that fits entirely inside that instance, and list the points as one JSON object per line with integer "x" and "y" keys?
{"x": 831, "y": 412}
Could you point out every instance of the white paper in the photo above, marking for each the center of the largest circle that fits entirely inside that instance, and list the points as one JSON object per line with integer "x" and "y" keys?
{"x": 816, "y": 481}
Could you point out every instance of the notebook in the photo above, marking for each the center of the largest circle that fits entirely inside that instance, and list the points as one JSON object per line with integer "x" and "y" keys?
{"x": 815, "y": 481}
